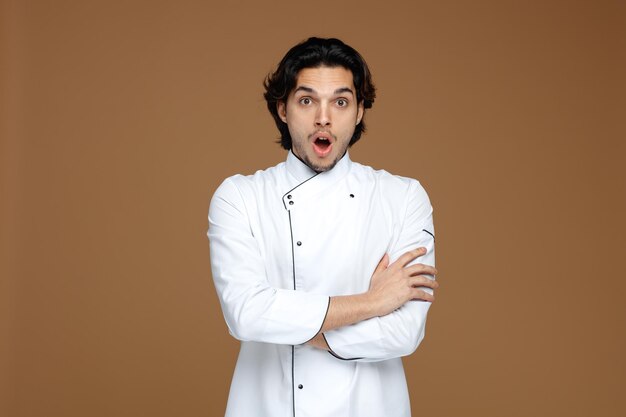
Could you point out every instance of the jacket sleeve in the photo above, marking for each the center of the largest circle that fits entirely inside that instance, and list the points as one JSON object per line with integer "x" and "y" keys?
{"x": 400, "y": 332}
{"x": 253, "y": 310}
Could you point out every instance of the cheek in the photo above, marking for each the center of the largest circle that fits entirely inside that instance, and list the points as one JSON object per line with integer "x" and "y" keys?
{"x": 299, "y": 119}
{"x": 292, "y": 114}
{"x": 349, "y": 120}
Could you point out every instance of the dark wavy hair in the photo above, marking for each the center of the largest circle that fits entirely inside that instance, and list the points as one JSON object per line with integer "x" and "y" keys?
{"x": 313, "y": 53}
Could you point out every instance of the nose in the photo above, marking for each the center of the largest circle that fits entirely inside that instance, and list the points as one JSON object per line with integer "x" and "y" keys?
{"x": 322, "y": 118}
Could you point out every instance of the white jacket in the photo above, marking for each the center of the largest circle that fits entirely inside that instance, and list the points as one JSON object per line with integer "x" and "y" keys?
{"x": 282, "y": 242}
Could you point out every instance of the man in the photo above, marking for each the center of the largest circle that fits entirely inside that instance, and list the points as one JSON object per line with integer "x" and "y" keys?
{"x": 315, "y": 260}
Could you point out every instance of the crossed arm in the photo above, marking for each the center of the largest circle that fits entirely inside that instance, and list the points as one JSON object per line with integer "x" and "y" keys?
{"x": 381, "y": 323}
{"x": 391, "y": 287}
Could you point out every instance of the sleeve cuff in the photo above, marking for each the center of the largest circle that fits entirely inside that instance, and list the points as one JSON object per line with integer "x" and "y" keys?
{"x": 295, "y": 316}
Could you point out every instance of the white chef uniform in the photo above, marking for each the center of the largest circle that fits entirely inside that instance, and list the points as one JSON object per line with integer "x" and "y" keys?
{"x": 282, "y": 242}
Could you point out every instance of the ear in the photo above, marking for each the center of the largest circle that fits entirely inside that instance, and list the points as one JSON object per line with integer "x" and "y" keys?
{"x": 282, "y": 111}
{"x": 359, "y": 113}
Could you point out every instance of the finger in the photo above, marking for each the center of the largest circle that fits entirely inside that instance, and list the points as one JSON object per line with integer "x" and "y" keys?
{"x": 421, "y": 269}
{"x": 408, "y": 257}
{"x": 422, "y": 295}
{"x": 422, "y": 281}
{"x": 383, "y": 264}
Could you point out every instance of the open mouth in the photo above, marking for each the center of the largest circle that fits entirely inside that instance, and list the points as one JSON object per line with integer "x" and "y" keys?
{"x": 322, "y": 143}
{"x": 322, "y": 146}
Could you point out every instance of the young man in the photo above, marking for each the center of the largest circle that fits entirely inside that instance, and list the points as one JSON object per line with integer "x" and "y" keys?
{"x": 315, "y": 260}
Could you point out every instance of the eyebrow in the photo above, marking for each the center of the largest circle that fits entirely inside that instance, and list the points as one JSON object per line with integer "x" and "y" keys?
{"x": 337, "y": 91}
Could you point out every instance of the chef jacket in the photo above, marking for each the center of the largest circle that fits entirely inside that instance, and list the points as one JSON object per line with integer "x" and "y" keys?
{"x": 282, "y": 242}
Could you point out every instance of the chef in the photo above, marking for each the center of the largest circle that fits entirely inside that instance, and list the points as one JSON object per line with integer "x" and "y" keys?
{"x": 324, "y": 267}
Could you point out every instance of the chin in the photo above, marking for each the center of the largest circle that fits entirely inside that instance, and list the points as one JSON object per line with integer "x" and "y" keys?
{"x": 322, "y": 166}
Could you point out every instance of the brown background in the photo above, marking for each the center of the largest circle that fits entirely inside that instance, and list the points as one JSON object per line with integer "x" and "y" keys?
{"x": 119, "y": 120}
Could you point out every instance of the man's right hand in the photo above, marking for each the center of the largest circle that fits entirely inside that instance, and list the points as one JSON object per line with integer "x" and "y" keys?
{"x": 393, "y": 285}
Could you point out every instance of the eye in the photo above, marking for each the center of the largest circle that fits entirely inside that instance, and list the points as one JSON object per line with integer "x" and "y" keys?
{"x": 305, "y": 100}
{"x": 342, "y": 102}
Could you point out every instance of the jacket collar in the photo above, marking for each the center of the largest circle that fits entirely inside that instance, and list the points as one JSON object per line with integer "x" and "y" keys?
{"x": 309, "y": 183}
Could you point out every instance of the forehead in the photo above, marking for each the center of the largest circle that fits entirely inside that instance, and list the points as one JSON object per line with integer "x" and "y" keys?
{"x": 325, "y": 78}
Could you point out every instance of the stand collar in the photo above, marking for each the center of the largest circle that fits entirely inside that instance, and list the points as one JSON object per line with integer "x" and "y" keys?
{"x": 309, "y": 183}
{"x": 302, "y": 172}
